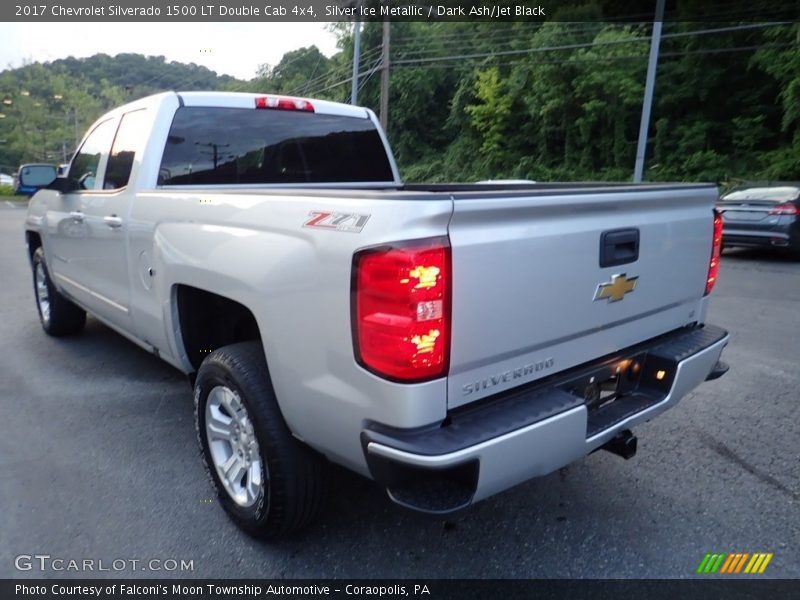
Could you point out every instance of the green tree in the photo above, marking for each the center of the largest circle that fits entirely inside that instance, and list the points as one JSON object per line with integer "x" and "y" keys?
{"x": 491, "y": 116}
{"x": 293, "y": 72}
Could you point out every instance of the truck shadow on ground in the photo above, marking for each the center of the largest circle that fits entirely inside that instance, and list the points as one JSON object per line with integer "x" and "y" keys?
{"x": 760, "y": 254}
{"x": 109, "y": 354}
{"x": 504, "y": 536}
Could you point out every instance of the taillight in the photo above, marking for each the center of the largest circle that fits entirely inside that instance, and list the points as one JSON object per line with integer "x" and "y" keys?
{"x": 401, "y": 309}
{"x": 785, "y": 209}
{"x": 283, "y": 103}
{"x": 716, "y": 251}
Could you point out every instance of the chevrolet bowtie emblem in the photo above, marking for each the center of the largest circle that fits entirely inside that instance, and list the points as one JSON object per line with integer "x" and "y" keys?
{"x": 616, "y": 289}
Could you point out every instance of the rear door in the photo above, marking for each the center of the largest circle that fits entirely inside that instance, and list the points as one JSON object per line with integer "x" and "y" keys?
{"x": 107, "y": 211}
{"x": 544, "y": 282}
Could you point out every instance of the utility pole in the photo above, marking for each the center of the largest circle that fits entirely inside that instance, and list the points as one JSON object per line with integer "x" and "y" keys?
{"x": 649, "y": 84}
{"x": 385, "y": 77}
{"x": 214, "y": 151}
{"x": 356, "y": 61}
{"x": 75, "y": 124}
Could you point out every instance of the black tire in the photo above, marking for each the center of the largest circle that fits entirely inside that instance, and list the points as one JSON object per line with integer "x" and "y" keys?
{"x": 64, "y": 317}
{"x": 295, "y": 478}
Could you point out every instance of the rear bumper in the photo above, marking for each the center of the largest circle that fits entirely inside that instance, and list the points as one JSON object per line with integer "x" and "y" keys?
{"x": 508, "y": 439}
{"x": 777, "y": 236}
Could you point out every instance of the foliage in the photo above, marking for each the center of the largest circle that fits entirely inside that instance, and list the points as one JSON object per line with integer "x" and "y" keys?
{"x": 491, "y": 116}
{"x": 294, "y": 71}
{"x": 567, "y": 106}
{"x": 46, "y": 108}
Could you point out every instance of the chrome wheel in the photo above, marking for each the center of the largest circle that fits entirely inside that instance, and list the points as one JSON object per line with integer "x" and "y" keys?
{"x": 42, "y": 293}
{"x": 233, "y": 446}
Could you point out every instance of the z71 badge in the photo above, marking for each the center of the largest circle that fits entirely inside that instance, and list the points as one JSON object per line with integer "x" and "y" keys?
{"x": 336, "y": 221}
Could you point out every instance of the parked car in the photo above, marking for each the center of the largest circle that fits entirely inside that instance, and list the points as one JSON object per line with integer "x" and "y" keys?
{"x": 6, "y": 179}
{"x": 31, "y": 177}
{"x": 762, "y": 216}
{"x": 449, "y": 341}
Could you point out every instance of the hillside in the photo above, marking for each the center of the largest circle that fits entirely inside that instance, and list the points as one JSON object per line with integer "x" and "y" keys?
{"x": 47, "y": 106}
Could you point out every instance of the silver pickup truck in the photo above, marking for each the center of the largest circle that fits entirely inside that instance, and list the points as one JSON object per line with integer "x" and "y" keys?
{"x": 448, "y": 341}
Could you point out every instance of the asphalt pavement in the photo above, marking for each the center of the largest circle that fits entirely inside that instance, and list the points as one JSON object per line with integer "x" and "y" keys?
{"x": 98, "y": 461}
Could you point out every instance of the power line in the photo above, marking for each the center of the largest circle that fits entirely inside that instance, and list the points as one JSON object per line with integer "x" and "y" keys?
{"x": 311, "y": 87}
{"x": 293, "y": 60}
{"x": 522, "y": 27}
{"x": 533, "y": 27}
{"x": 589, "y": 45}
{"x": 316, "y": 66}
{"x": 594, "y": 59}
{"x": 467, "y": 39}
{"x": 334, "y": 72}
{"x": 374, "y": 69}
{"x": 326, "y": 82}
{"x": 361, "y": 74}
{"x": 329, "y": 80}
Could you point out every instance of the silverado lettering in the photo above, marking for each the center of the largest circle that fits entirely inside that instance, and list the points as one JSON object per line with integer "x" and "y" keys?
{"x": 507, "y": 376}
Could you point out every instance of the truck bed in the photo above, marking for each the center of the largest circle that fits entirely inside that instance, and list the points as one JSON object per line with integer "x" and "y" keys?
{"x": 430, "y": 191}
{"x": 527, "y": 268}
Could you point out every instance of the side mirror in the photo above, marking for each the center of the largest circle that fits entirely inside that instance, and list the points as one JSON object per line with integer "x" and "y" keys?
{"x": 64, "y": 185}
{"x": 37, "y": 176}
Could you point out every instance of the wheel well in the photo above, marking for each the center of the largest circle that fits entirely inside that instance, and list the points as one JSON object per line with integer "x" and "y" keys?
{"x": 209, "y": 321}
{"x": 34, "y": 241}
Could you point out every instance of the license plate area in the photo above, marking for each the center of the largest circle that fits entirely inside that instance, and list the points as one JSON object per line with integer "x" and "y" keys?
{"x": 621, "y": 388}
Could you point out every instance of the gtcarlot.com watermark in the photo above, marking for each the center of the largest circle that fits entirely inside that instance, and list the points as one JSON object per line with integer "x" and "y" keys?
{"x": 48, "y": 563}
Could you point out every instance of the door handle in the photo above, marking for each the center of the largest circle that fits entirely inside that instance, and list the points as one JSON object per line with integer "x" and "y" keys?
{"x": 113, "y": 221}
{"x": 619, "y": 247}
{"x": 76, "y": 216}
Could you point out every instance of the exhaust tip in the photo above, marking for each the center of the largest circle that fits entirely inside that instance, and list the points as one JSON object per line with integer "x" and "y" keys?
{"x": 623, "y": 444}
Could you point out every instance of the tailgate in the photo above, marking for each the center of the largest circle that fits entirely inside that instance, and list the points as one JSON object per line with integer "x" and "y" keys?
{"x": 530, "y": 298}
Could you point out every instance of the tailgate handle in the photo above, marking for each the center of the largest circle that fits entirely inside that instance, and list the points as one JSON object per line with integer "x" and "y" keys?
{"x": 619, "y": 247}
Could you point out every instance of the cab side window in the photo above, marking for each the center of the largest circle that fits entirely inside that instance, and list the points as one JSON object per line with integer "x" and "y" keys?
{"x": 85, "y": 163}
{"x": 130, "y": 139}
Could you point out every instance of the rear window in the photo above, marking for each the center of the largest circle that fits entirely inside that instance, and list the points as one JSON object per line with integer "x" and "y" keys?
{"x": 250, "y": 146}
